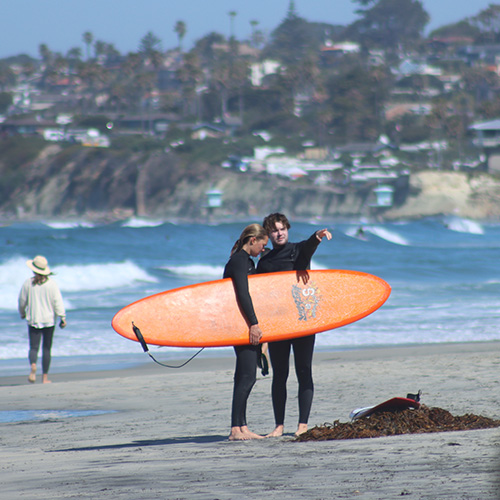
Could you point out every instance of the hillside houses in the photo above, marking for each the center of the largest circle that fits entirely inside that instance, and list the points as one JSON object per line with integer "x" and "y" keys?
{"x": 225, "y": 90}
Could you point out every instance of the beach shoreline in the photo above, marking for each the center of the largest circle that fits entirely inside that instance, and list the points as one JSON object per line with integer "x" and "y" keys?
{"x": 64, "y": 368}
{"x": 159, "y": 433}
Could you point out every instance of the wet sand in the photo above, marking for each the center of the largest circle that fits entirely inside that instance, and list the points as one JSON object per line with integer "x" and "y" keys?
{"x": 164, "y": 433}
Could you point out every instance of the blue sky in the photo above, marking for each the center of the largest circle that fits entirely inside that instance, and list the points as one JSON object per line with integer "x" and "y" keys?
{"x": 25, "y": 24}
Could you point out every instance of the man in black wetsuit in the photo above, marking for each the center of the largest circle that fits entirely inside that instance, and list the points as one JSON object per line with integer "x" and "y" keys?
{"x": 286, "y": 256}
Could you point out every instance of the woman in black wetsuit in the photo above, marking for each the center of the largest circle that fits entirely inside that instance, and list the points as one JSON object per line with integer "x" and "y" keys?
{"x": 286, "y": 256}
{"x": 252, "y": 241}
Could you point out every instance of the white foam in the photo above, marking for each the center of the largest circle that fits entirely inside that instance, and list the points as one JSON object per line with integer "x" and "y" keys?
{"x": 14, "y": 272}
{"x": 315, "y": 265}
{"x": 464, "y": 225}
{"x": 69, "y": 225}
{"x": 387, "y": 235}
{"x": 100, "y": 276}
{"x": 198, "y": 270}
{"x": 138, "y": 222}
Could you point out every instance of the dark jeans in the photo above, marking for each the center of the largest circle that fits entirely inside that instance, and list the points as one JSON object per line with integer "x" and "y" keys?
{"x": 36, "y": 334}
{"x": 279, "y": 353}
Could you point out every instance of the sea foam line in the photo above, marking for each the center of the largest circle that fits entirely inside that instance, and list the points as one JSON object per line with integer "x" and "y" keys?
{"x": 71, "y": 278}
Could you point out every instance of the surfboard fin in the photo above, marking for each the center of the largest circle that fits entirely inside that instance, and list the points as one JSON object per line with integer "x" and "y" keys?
{"x": 415, "y": 397}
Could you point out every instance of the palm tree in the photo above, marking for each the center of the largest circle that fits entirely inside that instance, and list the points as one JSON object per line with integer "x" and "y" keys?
{"x": 254, "y": 23}
{"x": 88, "y": 38}
{"x": 232, "y": 14}
{"x": 45, "y": 53}
{"x": 180, "y": 29}
{"x": 46, "y": 56}
{"x": 190, "y": 74}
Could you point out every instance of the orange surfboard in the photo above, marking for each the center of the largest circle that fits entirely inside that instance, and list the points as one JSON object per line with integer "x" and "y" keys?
{"x": 288, "y": 305}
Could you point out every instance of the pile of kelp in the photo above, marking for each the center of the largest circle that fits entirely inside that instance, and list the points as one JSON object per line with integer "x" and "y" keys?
{"x": 408, "y": 421}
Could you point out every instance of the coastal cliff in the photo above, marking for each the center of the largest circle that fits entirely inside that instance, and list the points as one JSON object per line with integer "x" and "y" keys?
{"x": 96, "y": 183}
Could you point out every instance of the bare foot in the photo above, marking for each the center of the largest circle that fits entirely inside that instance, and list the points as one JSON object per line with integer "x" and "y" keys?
{"x": 45, "y": 379}
{"x": 32, "y": 375}
{"x": 277, "y": 432}
{"x": 243, "y": 434}
{"x": 301, "y": 429}
{"x": 249, "y": 433}
{"x": 236, "y": 434}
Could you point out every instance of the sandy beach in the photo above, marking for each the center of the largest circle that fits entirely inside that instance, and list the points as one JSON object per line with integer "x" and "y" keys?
{"x": 157, "y": 433}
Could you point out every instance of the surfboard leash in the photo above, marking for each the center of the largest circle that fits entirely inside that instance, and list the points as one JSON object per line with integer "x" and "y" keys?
{"x": 145, "y": 347}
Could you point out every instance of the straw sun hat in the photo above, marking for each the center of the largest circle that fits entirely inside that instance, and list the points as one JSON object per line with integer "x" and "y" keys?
{"x": 39, "y": 265}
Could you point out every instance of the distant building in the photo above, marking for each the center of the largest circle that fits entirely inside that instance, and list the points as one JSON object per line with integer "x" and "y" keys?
{"x": 26, "y": 126}
{"x": 259, "y": 70}
{"x": 487, "y": 139}
{"x": 208, "y": 131}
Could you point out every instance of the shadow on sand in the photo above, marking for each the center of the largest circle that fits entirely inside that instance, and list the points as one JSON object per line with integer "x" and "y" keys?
{"x": 150, "y": 442}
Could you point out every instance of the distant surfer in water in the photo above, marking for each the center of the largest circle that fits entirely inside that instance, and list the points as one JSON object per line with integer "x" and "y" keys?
{"x": 286, "y": 256}
{"x": 251, "y": 243}
{"x": 360, "y": 233}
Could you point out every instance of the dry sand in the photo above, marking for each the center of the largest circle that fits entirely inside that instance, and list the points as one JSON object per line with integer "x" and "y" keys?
{"x": 164, "y": 435}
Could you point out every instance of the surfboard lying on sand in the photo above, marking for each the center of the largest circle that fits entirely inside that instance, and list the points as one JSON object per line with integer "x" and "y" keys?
{"x": 394, "y": 404}
{"x": 287, "y": 304}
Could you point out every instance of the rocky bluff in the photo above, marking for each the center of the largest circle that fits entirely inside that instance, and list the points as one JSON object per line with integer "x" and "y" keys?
{"x": 100, "y": 183}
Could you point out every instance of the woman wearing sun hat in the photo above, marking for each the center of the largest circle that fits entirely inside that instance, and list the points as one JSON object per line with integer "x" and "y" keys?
{"x": 40, "y": 303}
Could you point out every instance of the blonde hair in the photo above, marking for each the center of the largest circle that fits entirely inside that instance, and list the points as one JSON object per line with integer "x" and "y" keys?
{"x": 251, "y": 231}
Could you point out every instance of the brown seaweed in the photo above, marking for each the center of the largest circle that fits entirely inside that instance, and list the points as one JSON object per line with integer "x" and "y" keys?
{"x": 392, "y": 423}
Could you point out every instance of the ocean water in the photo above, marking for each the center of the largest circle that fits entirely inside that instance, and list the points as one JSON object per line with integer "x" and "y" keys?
{"x": 444, "y": 274}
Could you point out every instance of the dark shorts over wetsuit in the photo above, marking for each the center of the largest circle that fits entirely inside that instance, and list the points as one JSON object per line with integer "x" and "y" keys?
{"x": 291, "y": 257}
{"x": 238, "y": 268}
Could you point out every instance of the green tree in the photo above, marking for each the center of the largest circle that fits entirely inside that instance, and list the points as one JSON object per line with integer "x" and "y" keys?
{"x": 204, "y": 48}
{"x": 74, "y": 54}
{"x": 356, "y": 99}
{"x": 100, "y": 48}
{"x": 45, "y": 53}
{"x": 292, "y": 40}
{"x": 111, "y": 53}
{"x": 94, "y": 77}
{"x": 220, "y": 79}
{"x": 28, "y": 68}
{"x": 150, "y": 49}
{"x": 180, "y": 29}
{"x": 7, "y": 76}
{"x": 232, "y": 14}
{"x": 391, "y": 24}
{"x": 365, "y": 2}
{"x": 488, "y": 23}
{"x": 149, "y": 43}
{"x": 257, "y": 39}
{"x": 5, "y": 100}
{"x": 190, "y": 74}
{"x": 460, "y": 29}
{"x": 88, "y": 38}
{"x": 480, "y": 83}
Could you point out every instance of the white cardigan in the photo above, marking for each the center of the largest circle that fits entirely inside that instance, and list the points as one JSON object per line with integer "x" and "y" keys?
{"x": 40, "y": 304}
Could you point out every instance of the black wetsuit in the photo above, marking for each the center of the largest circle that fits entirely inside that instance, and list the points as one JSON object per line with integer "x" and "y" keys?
{"x": 291, "y": 257}
{"x": 239, "y": 266}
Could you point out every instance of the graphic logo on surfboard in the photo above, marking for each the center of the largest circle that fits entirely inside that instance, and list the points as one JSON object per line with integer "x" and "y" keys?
{"x": 306, "y": 299}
